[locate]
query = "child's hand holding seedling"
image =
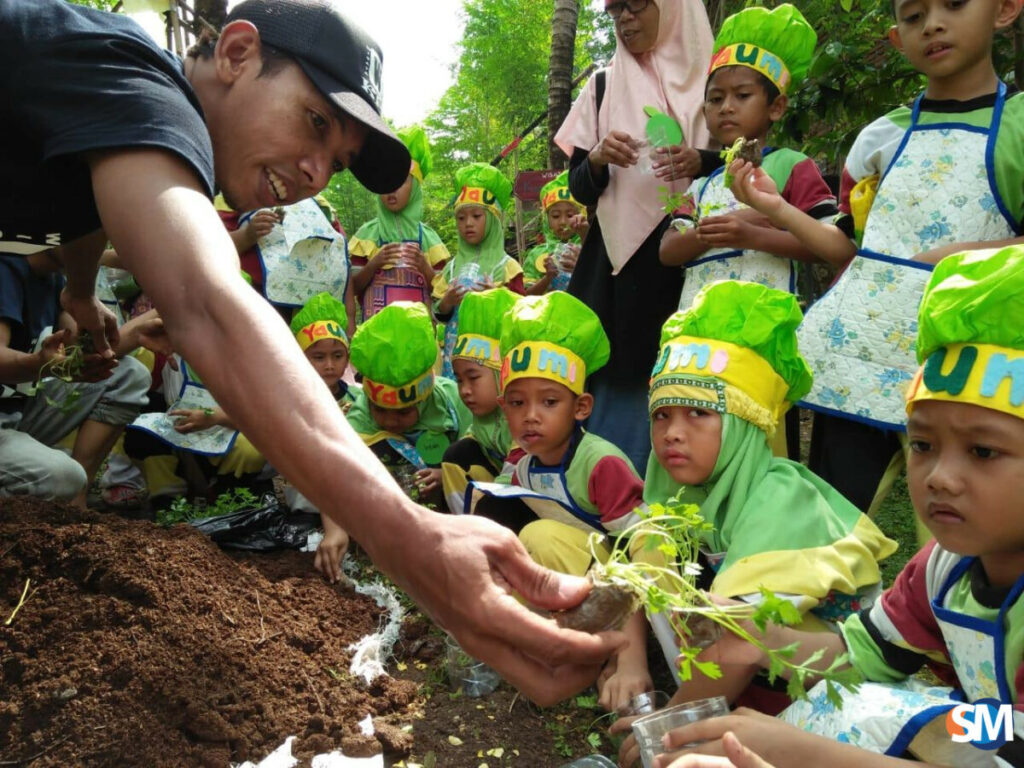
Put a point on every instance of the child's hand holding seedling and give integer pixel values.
(753, 187)
(195, 419)
(51, 351)
(427, 480)
(91, 315)
(727, 231)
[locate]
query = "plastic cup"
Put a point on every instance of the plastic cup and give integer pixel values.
(650, 729)
(470, 276)
(466, 674)
(645, 156)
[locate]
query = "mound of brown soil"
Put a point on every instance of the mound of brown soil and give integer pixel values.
(143, 646)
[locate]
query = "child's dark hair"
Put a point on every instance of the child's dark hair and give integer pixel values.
(770, 89)
(273, 59)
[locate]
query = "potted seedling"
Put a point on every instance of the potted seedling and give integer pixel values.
(748, 150)
(624, 582)
(67, 365)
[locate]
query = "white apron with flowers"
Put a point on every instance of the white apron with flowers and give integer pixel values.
(713, 198)
(303, 256)
(886, 718)
(859, 337)
(192, 395)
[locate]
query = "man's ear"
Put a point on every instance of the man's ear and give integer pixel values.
(895, 39)
(238, 48)
(778, 107)
(584, 406)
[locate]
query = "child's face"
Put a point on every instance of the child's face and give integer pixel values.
(559, 216)
(542, 414)
(330, 359)
(736, 104)
(478, 386)
(396, 420)
(686, 442)
(966, 479)
(950, 41)
(397, 200)
(471, 221)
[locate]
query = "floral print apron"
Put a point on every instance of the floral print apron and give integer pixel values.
(859, 337)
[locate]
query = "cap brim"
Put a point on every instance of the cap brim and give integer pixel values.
(384, 162)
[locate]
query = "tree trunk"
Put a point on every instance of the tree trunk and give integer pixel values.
(563, 45)
(214, 11)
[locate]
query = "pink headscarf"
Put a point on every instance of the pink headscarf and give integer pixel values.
(670, 77)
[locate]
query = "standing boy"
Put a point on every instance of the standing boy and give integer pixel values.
(573, 480)
(919, 183)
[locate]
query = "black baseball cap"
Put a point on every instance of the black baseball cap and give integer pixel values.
(345, 64)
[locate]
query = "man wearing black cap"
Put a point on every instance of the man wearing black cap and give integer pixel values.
(103, 135)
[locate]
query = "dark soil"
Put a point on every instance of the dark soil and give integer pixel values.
(145, 646)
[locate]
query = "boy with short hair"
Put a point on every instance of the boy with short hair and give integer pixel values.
(549, 265)
(550, 344)
(476, 361)
(956, 605)
(760, 56)
(919, 183)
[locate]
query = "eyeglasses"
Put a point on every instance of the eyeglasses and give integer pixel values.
(634, 6)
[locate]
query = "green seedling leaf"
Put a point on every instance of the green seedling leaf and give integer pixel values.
(594, 740)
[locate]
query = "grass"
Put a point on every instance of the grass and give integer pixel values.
(896, 519)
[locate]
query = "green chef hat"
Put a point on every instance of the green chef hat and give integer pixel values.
(555, 336)
(557, 191)
(971, 332)
(395, 350)
(734, 350)
(482, 184)
(480, 316)
(415, 140)
(322, 317)
(778, 43)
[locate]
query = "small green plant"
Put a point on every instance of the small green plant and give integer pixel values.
(181, 511)
(674, 531)
(742, 149)
(66, 366)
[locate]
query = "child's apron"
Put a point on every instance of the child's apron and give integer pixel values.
(885, 718)
(730, 263)
(545, 490)
(192, 395)
(303, 256)
(859, 337)
(395, 283)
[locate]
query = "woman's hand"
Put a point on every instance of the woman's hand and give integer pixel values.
(614, 149)
(676, 162)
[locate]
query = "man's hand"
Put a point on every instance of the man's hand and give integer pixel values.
(331, 552)
(465, 571)
(90, 315)
(676, 162)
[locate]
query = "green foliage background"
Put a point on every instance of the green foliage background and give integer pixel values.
(500, 85)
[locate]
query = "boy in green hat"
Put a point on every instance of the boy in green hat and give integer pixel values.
(319, 328)
(569, 478)
(727, 370)
(936, 177)
(483, 196)
(549, 265)
(956, 606)
(476, 361)
(760, 57)
(396, 255)
(405, 414)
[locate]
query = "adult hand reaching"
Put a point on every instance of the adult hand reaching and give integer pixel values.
(464, 572)
(676, 162)
(90, 315)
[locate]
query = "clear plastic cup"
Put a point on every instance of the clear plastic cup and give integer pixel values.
(591, 761)
(650, 729)
(645, 156)
(470, 276)
(473, 678)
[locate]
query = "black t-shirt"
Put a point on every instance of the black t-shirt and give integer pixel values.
(72, 80)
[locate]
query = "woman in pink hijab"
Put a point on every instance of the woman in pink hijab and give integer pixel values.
(661, 55)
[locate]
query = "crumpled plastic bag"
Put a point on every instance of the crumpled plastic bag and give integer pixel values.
(260, 529)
